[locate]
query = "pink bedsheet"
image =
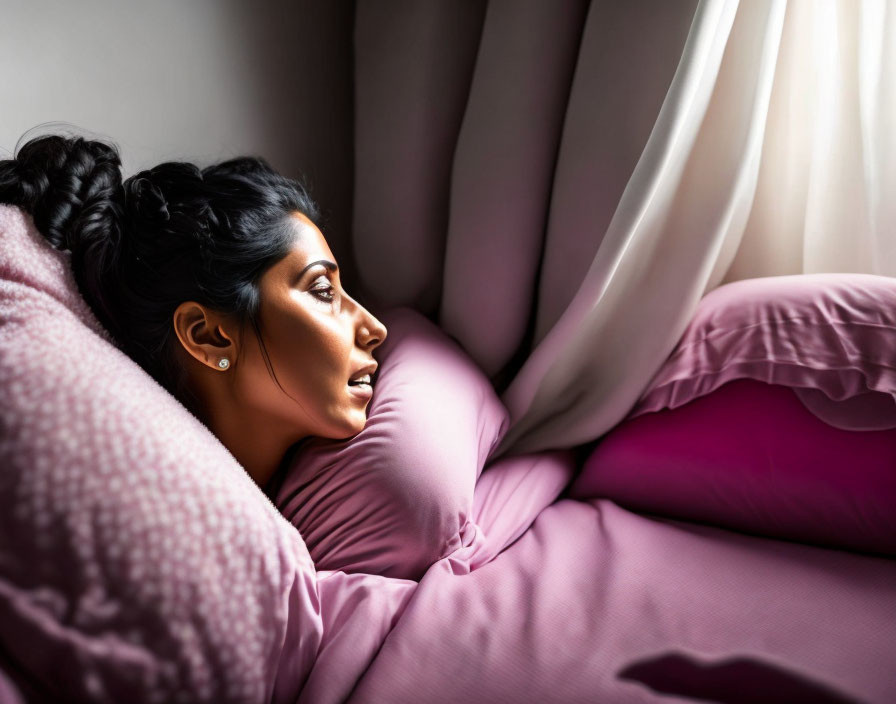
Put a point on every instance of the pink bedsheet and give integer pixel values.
(583, 601)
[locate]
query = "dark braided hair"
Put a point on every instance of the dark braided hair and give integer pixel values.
(169, 234)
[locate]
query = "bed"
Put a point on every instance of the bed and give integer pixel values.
(141, 563)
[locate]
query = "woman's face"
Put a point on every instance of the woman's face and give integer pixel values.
(316, 336)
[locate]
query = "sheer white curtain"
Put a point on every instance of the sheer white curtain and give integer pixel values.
(826, 196)
(774, 153)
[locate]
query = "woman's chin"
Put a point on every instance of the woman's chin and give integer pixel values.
(355, 422)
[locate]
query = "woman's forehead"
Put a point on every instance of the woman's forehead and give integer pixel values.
(303, 219)
(309, 243)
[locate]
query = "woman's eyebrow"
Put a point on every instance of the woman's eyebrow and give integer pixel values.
(331, 266)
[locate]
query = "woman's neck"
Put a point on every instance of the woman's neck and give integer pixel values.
(254, 443)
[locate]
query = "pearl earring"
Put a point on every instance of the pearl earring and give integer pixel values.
(224, 363)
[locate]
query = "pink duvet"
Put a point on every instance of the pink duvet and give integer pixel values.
(583, 601)
(531, 596)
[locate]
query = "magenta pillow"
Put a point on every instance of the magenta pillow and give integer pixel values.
(749, 456)
(774, 414)
(396, 497)
(830, 337)
(138, 560)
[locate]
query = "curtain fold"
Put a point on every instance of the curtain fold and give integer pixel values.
(598, 168)
(689, 193)
(413, 66)
(503, 168)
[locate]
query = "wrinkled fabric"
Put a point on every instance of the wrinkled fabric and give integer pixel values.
(828, 336)
(580, 606)
(399, 496)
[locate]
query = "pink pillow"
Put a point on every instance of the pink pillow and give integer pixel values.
(138, 560)
(749, 456)
(828, 336)
(396, 498)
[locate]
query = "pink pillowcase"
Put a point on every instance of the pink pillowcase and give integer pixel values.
(750, 457)
(828, 336)
(398, 496)
(138, 560)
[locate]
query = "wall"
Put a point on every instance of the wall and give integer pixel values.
(202, 81)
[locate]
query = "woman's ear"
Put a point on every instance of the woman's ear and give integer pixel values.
(204, 334)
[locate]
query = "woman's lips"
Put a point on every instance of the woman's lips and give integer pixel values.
(362, 391)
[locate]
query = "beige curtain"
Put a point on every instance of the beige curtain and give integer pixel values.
(558, 184)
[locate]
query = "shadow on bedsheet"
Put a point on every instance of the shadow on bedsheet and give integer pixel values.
(15, 688)
(739, 680)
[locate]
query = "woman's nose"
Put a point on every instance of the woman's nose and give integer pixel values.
(371, 332)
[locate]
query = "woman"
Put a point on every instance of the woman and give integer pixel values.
(178, 263)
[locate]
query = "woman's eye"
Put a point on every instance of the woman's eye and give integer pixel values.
(328, 290)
